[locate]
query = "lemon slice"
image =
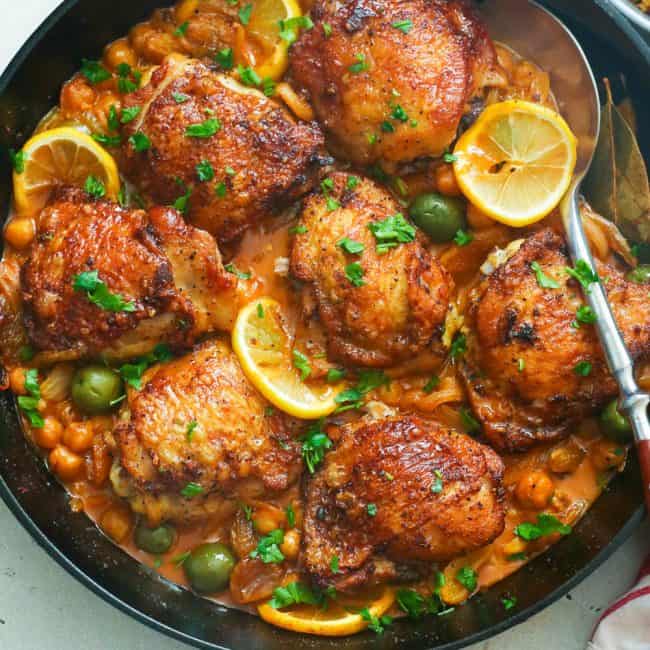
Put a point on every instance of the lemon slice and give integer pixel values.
(516, 162)
(340, 618)
(62, 156)
(264, 349)
(265, 29)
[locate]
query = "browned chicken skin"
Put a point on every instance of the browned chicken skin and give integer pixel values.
(400, 489)
(403, 302)
(170, 271)
(385, 95)
(262, 156)
(198, 420)
(521, 372)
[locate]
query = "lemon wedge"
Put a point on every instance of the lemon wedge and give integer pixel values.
(340, 618)
(264, 349)
(61, 156)
(516, 161)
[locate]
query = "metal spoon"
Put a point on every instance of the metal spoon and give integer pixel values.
(536, 34)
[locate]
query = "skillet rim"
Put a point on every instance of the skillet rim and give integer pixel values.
(107, 596)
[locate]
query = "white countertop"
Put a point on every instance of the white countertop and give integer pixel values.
(41, 606)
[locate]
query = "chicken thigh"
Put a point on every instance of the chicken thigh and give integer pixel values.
(197, 437)
(387, 301)
(399, 489)
(390, 80)
(105, 279)
(534, 366)
(234, 156)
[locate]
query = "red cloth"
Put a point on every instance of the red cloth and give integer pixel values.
(625, 625)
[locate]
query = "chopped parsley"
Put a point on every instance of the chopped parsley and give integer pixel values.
(404, 26)
(584, 314)
(242, 275)
(225, 58)
(180, 98)
(546, 525)
(181, 558)
(132, 373)
(360, 66)
(521, 364)
(375, 623)
(94, 71)
(245, 13)
(354, 273)
(327, 30)
(462, 238)
(508, 602)
(112, 119)
(335, 374)
(543, 280)
(583, 273)
(391, 232)
(583, 368)
(315, 443)
(248, 76)
(416, 605)
(449, 157)
(107, 140)
(220, 189)
(431, 385)
(140, 141)
(268, 86)
(301, 363)
(291, 516)
(205, 129)
(26, 353)
(124, 84)
(371, 508)
(458, 346)
(300, 229)
(181, 30)
(350, 246)
(399, 114)
(437, 485)
(191, 490)
(467, 577)
(94, 187)
(99, 294)
(181, 203)
(260, 310)
(332, 204)
(352, 398)
(387, 127)
(17, 160)
(268, 548)
(470, 423)
(334, 564)
(289, 28)
(28, 404)
(129, 114)
(352, 182)
(204, 171)
(295, 593)
(191, 428)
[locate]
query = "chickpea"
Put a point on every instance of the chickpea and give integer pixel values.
(607, 454)
(452, 592)
(49, 435)
(65, 463)
(116, 522)
(476, 219)
(17, 380)
(535, 490)
(446, 181)
(78, 436)
(20, 232)
(268, 518)
(185, 9)
(118, 52)
(77, 96)
(514, 546)
(565, 459)
(291, 544)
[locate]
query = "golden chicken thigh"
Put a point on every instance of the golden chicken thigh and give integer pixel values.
(394, 78)
(197, 437)
(169, 276)
(399, 489)
(395, 305)
(533, 369)
(236, 156)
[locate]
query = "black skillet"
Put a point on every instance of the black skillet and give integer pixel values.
(28, 89)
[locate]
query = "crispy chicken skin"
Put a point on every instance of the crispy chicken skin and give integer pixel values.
(273, 157)
(396, 466)
(171, 271)
(431, 73)
(235, 450)
(402, 304)
(521, 367)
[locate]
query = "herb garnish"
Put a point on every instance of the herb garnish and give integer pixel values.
(462, 238)
(99, 294)
(140, 141)
(191, 427)
(431, 385)
(231, 268)
(205, 129)
(315, 442)
(181, 203)
(353, 397)
(94, 187)
(289, 28)
(334, 564)
(543, 280)
(204, 171)
(470, 423)
(245, 13)
(180, 98)
(404, 26)
(391, 232)
(467, 577)
(350, 246)
(458, 346)
(107, 140)
(225, 58)
(354, 273)
(181, 30)
(360, 66)
(295, 593)
(132, 373)
(291, 516)
(335, 374)
(546, 525)
(268, 548)
(301, 363)
(416, 605)
(376, 624)
(583, 273)
(583, 368)
(584, 314)
(129, 114)
(17, 160)
(191, 490)
(508, 602)
(94, 71)
(28, 404)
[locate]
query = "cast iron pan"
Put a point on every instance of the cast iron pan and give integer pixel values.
(29, 88)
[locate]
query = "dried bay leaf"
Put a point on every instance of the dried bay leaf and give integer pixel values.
(617, 184)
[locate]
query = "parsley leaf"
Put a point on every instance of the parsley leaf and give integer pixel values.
(334, 564)
(248, 76)
(404, 26)
(583, 273)
(181, 203)
(467, 577)
(470, 423)
(437, 485)
(181, 30)
(107, 140)
(449, 157)
(360, 66)
(225, 58)
(353, 397)
(315, 442)
(399, 114)
(205, 129)
(583, 368)
(94, 187)
(352, 182)
(350, 246)
(94, 71)
(416, 605)
(371, 508)
(508, 602)
(268, 548)
(98, 293)
(392, 231)
(29, 404)
(376, 624)
(546, 525)
(191, 427)
(140, 141)
(334, 375)
(191, 490)
(387, 127)
(300, 229)
(327, 30)
(17, 160)
(543, 280)
(431, 385)
(268, 86)
(112, 120)
(295, 593)
(132, 373)
(231, 268)
(462, 238)
(458, 346)
(204, 171)
(129, 114)
(245, 13)
(180, 98)
(301, 363)
(220, 189)
(584, 314)
(291, 516)
(289, 28)
(354, 273)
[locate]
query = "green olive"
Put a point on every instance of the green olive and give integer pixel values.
(209, 566)
(613, 424)
(441, 217)
(640, 275)
(154, 540)
(95, 389)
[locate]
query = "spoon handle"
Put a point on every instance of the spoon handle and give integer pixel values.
(634, 402)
